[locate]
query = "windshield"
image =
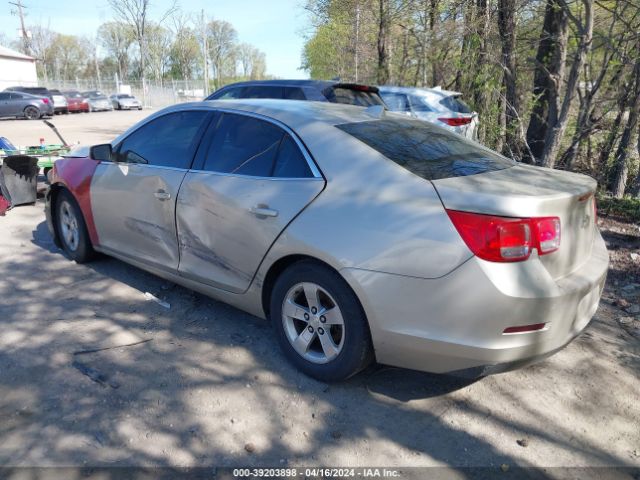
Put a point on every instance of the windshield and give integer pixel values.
(426, 150)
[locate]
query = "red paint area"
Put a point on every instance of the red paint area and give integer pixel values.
(76, 175)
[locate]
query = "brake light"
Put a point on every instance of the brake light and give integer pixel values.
(506, 239)
(45, 101)
(456, 122)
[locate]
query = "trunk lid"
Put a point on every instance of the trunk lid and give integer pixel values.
(527, 191)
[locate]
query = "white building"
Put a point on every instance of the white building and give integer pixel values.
(16, 69)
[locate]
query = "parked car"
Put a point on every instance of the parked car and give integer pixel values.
(124, 101)
(317, 90)
(361, 234)
(442, 107)
(97, 101)
(18, 104)
(76, 101)
(37, 91)
(60, 104)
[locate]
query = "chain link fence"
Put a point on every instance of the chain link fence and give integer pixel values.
(155, 94)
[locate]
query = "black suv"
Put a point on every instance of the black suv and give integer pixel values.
(314, 90)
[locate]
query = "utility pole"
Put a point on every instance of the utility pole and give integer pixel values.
(205, 53)
(25, 36)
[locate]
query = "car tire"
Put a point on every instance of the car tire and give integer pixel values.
(330, 348)
(32, 113)
(72, 229)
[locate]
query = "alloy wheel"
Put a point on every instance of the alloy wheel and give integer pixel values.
(69, 227)
(313, 322)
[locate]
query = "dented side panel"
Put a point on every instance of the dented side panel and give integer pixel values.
(223, 238)
(134, 209)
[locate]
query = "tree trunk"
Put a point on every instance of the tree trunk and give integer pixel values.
(479, 83)
(555, 130)
(507, 31)
(383, 54)
(548, 76)
(622, 153)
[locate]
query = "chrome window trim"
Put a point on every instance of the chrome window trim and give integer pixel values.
(255, 177)
(315, 170)
(145, 165)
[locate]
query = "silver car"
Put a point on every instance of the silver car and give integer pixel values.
(442, 107)
(124, 101)
(361, 234)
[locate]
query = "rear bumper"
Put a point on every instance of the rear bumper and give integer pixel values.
(454, 324)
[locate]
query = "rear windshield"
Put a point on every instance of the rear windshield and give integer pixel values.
(455, 105)
(426, 150)
(350, 96)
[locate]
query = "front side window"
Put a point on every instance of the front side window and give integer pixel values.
(245, 145)
(167, 141)
(426, 150)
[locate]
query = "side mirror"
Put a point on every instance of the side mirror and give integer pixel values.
(101, 152)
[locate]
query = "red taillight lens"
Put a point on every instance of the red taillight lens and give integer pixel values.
(456, 122)
(45, 100)
(505, 239)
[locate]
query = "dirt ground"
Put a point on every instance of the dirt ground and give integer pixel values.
(206, 384)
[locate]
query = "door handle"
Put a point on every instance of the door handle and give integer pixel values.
(263, 211)
(162, 195)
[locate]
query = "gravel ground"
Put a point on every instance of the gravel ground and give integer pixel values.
(205, 384)
(209, 386)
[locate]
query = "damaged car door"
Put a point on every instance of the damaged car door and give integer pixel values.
(133, 198)
(251, 177)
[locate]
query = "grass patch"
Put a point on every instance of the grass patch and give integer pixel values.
(627, 208)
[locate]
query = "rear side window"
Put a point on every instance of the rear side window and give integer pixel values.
(426, 150)
(455, 105)
(293, 93)
(290, 163)
(262, 91)
(420, 104)
(245, 145)
(350, 96)
(167, 141)
(4, 96)
(397, 102)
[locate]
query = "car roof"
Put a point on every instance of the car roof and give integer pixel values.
(285, 83)
(439, 92)
(294, 114)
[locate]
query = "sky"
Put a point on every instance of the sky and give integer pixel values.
(274, 26)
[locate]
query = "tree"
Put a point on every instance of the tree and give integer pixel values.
(158, 51)
(559, 112)
(116, 38)
(222, 39)
(507, 31)
(135, 13)
(185, 53)
(549, 74)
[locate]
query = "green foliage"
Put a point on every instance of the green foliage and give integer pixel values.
(627, 208)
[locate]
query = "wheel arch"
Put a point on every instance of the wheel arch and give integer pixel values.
(283, 263)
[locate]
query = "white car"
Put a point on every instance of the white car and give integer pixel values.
(124, 101)
(442, 107)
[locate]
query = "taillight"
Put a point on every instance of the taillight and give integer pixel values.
(45, 101)
(506, 239)
(456, 122)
